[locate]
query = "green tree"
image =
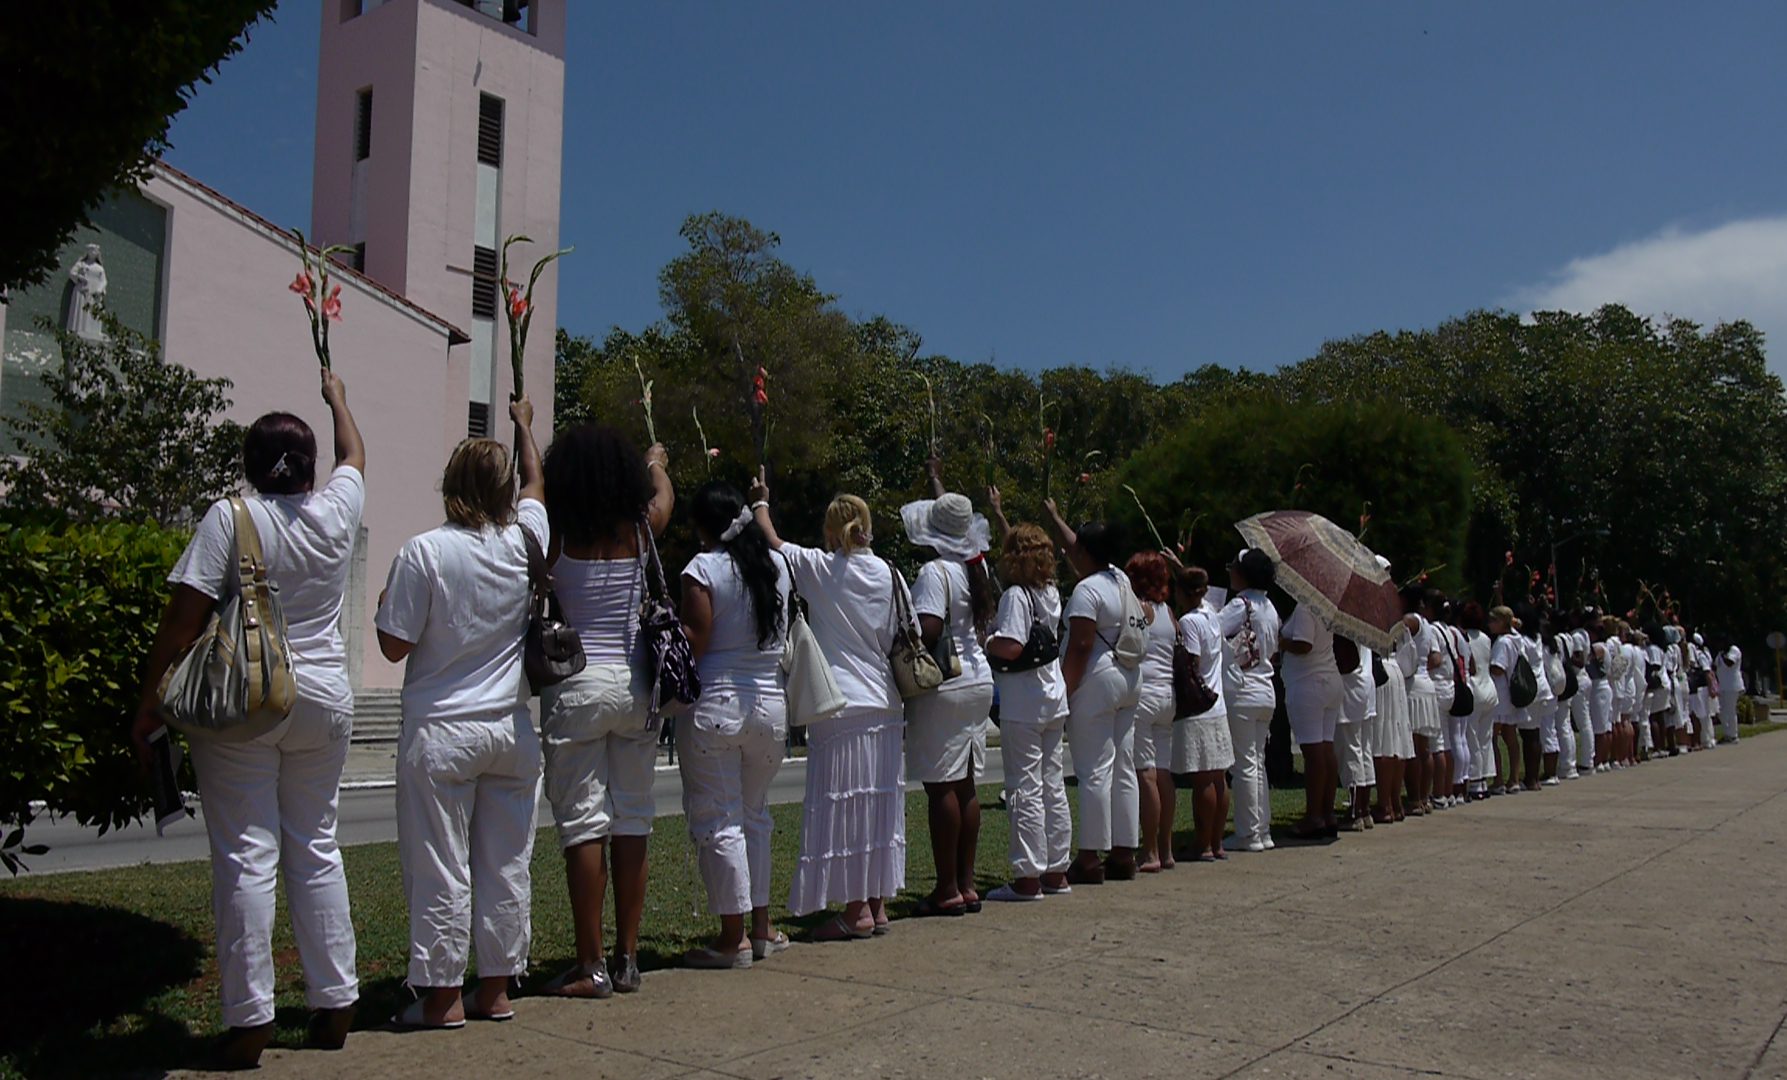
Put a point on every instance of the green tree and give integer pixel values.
(91, 90)
(123, 435)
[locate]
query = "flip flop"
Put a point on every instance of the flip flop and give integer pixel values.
(836, 929)
(764, 948)
(411, 1018)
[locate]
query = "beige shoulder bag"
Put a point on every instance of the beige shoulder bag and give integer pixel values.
(235, 682)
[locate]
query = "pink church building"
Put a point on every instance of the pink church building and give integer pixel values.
(438, 132)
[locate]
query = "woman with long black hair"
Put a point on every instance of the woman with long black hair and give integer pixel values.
(734, 609)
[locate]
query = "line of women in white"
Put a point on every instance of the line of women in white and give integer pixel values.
(1096, 675)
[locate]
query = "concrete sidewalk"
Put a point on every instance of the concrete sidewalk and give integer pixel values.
(1624, 925)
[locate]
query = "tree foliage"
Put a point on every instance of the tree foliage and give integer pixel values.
(92, 88)
(124, 434)
(1648, 451)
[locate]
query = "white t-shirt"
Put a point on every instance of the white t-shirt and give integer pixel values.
(1099, 597)
(308, 543)
(1319, 660)
(1427, 643)
(733, 659)
(1202, 635)
(1157, 662)
(1359, 700)
(850, 606)
(1634, 671)
(461, 597)
(1502, 656)
(1478, 652)
(1731, 671)
(1252, 688)
(943, 584)
(1037, 696)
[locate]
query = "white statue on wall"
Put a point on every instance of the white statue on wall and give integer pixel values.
(88, 276)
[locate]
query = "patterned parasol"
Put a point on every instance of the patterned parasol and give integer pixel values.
(1323, 565)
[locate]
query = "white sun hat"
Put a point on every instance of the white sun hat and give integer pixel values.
(949, 526)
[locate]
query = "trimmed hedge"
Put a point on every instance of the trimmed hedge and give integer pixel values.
(79, 605)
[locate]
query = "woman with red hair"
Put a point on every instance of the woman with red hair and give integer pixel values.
(1152, 581)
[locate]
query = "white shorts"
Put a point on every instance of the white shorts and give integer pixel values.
(600, 755)
(946, 733)
(1313, 705)
(1153, 734)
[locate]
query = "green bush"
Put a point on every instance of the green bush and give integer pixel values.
(1338, 460)
(78, 607)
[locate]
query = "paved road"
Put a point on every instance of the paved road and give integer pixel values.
(1627, 925)
(368, 815)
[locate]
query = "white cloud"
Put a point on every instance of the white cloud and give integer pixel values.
(1733, 271)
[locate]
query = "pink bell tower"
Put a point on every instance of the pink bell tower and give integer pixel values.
(439, 131)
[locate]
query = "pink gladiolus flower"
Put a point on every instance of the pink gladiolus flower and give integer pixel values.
(1508, 559)
(331, 306)
(302, 284)
(713, 452)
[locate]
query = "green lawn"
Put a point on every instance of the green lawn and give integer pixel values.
(113, 970)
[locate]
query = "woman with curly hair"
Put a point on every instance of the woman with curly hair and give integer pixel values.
(599, 735)
(1151, 579)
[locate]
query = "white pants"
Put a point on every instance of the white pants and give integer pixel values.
(1482, 742)
(731, 746)
(1566, 736)
(269, 805)
(1641, 718)
(1551, 724)
(466, 790)
(1352, 757)
(1101, 736)
(1041, 821)
(1728, 713)
(1581, 720)
(1249, 725)
(1458, 737)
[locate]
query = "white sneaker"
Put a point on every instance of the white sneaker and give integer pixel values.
(1572, 775)
(1005, 894)
(1267, 843)
(1249, 845)
(1550, 781)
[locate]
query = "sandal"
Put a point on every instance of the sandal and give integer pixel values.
(764, 948)
(836, 929)
(930, 909)
(1307, 830)
(1077, 875)
(412, 1017)
(472, 1013)
(596, 973)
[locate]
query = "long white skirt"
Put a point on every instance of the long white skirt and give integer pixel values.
(853, 828)
(1394, 737)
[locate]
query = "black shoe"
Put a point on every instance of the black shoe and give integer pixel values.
(624, 971)
(329, 1027)
(240, 1048)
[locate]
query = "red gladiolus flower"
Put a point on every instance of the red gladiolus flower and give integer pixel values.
(517, 303)
(1508, 559)
(1535, 577)
(1085, 478)
(302, 284)
(332, 306)
(760, 387)
(1632, 614)
(1048, 439)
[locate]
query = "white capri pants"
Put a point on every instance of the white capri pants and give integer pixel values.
(1551, 722)
(1728, 713)
(946, 733)
(1036, 796)
(1482, 740)
(466, 790)
(600, 755)
(1249, 726)
(1600, 708)
(1313, 704)
(269, 805)
(1353, 756)
(731, 746)
(1101, 736)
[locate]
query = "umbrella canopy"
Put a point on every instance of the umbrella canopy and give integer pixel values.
(1323, 565)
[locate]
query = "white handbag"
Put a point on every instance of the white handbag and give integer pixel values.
(812, 693)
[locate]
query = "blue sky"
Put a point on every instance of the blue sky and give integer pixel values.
(1154, 186)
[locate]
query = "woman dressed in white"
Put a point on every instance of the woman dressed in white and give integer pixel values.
(1313, 698)
(1025, 648)
(1728, 668)
(1202, 748)
(1510, 719)
(1249, 625)
(735, 611)
(270, 802)
(946, 731)
(1101, 667)
(1478, 648)
(1392, 740)
(853, 828)
(1424, 707)
(455, 607)
(1600, 691)
(1151, 578)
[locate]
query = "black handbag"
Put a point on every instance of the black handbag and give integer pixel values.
(1191, 695)
(551, 651)
(1464, 701)
(1523, 685)
(1570, 683)
(1042, 647)
(663, 645)
(1379, 673)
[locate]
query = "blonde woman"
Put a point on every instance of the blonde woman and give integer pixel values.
(454, 611)
(1032, 715)
(853, 830)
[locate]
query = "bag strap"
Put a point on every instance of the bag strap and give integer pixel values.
(908, 623)
(650, 566)
(251, 574)
(539, 577)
